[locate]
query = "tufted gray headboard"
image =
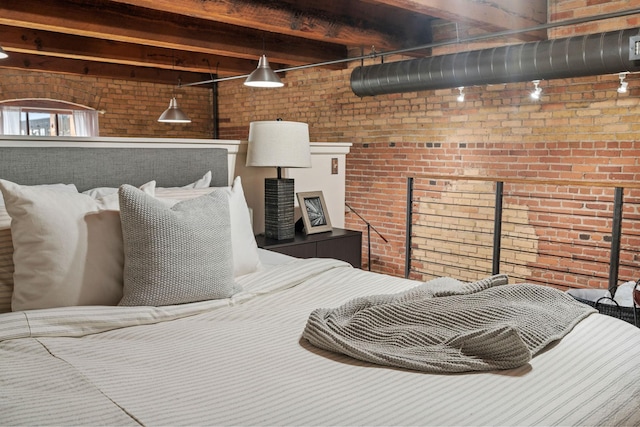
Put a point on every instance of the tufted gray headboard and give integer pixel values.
(90, 167)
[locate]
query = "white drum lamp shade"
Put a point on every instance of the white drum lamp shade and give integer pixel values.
(279, 144)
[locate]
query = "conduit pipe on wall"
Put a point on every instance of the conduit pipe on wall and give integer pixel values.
(594, 54)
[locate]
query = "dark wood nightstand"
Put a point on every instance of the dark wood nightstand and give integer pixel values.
(345, 245)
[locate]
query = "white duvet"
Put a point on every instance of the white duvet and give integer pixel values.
(241, 361)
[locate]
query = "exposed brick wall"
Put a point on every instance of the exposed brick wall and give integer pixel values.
(130, 108)
(562, 10)
(580, 129)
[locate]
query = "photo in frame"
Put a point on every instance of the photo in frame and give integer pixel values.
(315, 215)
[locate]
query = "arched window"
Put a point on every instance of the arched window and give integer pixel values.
(46, 117)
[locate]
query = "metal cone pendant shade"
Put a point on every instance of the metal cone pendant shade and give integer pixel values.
(174, 114)
(263, 76)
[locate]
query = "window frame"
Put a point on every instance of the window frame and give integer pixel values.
(55, 109)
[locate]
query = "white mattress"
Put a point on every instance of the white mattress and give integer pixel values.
(241, 361)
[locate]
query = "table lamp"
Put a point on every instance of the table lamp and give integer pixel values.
(279, 144)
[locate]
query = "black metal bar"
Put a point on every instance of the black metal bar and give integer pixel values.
(407, 247)
(369, 246)
(215, 107)
(635, 306)
(497, 228)
(369, 227)
(616, 229)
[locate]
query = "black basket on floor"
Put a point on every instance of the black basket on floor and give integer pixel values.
(597, 299)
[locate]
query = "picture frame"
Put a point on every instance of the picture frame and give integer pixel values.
(315, 215)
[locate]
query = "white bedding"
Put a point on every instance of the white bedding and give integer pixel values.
(241, 361)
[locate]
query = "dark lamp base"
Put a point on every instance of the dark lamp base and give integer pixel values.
(278, 209)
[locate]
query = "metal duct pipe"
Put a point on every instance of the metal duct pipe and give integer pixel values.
(594, 54)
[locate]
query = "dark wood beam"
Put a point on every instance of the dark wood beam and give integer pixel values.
(276, 17)
(142, 26)
(46, 43)
(494, 16)
(50, 64)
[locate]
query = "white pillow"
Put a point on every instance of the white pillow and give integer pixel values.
(101, 192)
(67, 187)
(203, 182)
(6, 249)
(98, 192)
(244, 247)
(67, 247)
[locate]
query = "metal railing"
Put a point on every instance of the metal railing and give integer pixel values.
(567, 234)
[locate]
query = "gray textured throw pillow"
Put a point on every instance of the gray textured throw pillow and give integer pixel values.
(175, 255)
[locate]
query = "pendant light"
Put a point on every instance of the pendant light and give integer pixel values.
(3, 54)
(174, 114)
(263, 76)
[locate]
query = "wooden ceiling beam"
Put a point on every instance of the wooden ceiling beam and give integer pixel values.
(146, 38)
(494, 16)
(164, 31)
(276, 18)
(50, 64)
(39, 42)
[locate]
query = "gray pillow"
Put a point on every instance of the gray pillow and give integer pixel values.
(178, 254)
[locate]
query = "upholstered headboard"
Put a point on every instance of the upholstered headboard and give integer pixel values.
(90, 167)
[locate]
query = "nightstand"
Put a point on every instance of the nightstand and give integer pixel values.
(345, 245)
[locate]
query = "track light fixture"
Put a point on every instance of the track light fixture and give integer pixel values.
(623, 85)
(3, 54)
(537, 91)
(460, 97)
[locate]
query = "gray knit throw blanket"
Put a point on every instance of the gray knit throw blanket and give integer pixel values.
(478, 326)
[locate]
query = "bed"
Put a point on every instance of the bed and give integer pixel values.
(242, 355)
